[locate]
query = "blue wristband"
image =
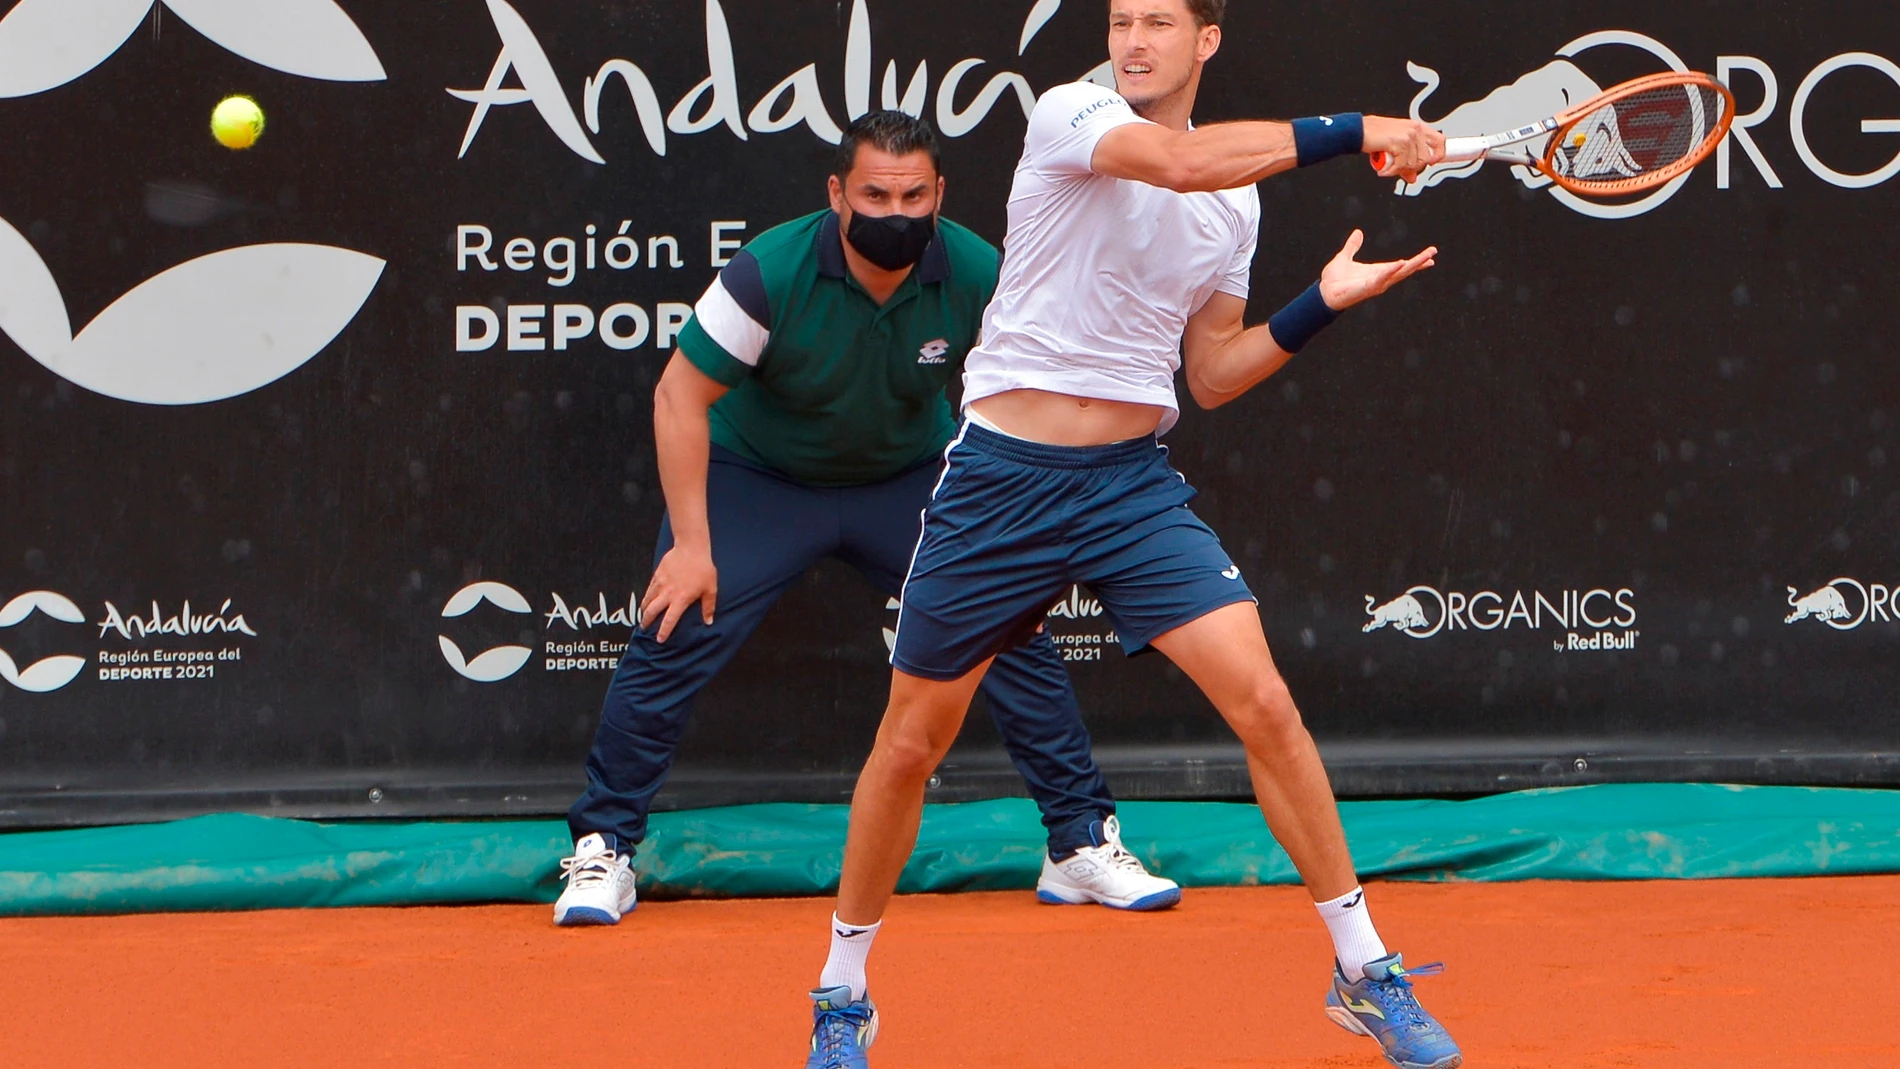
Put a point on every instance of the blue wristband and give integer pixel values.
(1296, 324)
(1319, 140)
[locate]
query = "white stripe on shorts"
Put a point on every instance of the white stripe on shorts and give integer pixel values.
(914, 550)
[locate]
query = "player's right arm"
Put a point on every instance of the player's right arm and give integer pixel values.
(1238, 154)
(1082, 128)
(718, 348)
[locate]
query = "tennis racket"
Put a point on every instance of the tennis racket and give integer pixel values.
(1630, 138)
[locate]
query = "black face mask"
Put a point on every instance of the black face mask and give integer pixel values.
(892, 242)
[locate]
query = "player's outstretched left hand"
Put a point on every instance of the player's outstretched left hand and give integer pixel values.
(1345, 281)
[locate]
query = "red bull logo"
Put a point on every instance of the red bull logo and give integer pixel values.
(1843, 604)
(1563, 82)
(1599, 619)
(1543, 92)
(1403, 612)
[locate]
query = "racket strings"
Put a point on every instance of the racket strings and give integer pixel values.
(1654, 130)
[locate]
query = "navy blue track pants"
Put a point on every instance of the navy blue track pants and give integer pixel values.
(766, 532)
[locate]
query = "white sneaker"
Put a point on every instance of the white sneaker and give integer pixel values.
(599, 885)
(1107, 874)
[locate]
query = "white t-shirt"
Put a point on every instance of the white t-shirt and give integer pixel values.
(1100, 274)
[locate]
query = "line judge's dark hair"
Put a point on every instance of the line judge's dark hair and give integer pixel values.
(895, 132)
(1205, 12)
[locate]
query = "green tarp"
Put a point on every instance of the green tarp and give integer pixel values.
(1674, 831)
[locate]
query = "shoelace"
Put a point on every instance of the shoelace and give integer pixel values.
(585, 870)
(1395, 995)
(836, 1033)
(1119, 855)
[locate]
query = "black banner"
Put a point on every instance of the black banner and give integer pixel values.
(326, 467)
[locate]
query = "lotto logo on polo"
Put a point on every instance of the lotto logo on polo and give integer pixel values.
(933, 353)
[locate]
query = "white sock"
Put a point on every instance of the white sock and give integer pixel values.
(1355, 941)
(850, 945)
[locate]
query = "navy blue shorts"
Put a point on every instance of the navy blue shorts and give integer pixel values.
(1013, 523)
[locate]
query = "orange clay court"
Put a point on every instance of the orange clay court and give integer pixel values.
(1728, 973)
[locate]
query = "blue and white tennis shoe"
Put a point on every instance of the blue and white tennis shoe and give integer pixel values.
(841, 1029)
(599, 884)
(1382, 1006)
(1104, 873)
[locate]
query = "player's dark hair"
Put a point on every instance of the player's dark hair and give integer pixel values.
(1208, 12)
(895, 132)
(1205, 12)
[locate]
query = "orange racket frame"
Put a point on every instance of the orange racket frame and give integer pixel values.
(1508, 146)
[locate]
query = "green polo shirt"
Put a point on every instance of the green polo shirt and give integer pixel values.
(828, 387)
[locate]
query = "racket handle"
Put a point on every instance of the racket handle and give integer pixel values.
(1457, 150)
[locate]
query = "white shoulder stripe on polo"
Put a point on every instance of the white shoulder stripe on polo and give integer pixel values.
(728, 324)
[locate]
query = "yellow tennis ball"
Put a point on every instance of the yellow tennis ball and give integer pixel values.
(237, 122)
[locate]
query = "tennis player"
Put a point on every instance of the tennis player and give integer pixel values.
(804, 417)
(1131, 236)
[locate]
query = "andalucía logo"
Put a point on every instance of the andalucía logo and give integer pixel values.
(226, 323)
(797, 100)
(1844, 604)
(183, 623)
(145, 660)
(50, 673)
(167, 660)
(583, 654)
(1561, 83)
(578, 654)
(1597, 619)
(491, 665)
